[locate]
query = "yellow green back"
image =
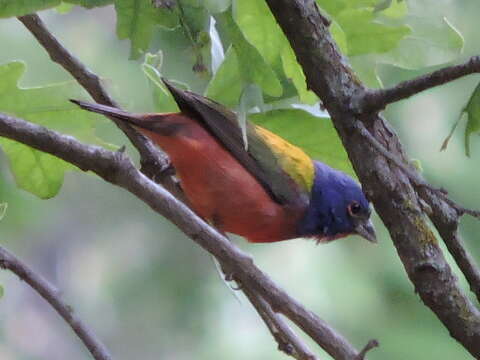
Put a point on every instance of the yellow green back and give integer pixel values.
(291, 158)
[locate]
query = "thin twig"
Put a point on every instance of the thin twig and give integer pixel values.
(375, 100)
(116, 168)
(59, 54)
(10, 262)
(445, 219)
(406, 168)
(463, 259)
(287, 340)
(370, 345)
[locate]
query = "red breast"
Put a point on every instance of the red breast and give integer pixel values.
(218, 187)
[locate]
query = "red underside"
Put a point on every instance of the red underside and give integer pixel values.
(220, 189)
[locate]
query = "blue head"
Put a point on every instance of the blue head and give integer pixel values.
(338, 207)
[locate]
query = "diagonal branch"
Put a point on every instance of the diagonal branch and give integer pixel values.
(376, 100)
(116, 168)
(445, 217)
(287, 340)
(151, 157)
(50, 294)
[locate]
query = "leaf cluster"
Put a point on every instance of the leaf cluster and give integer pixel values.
(247, 62)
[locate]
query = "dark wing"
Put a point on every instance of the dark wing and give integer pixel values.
(259, 159)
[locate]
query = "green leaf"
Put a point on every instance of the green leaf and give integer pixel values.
(217, 6)
(35, 171)
(253, 67)
(332, 7)
(315, 135)
(364, 36)
(227, 83)
(362, 25)
(339, 36)
(396, 10)
(260, 28)
(64, 8)
(366, 70)
(294, 71)
(161, 96)
(2, 291)
(9, 8)
(472, 111)
(434, 41)
(136, 20)
(89, 3)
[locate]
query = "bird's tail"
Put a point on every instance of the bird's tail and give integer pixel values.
(152, 122)
(109, 111)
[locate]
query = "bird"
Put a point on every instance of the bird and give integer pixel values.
(250, 181)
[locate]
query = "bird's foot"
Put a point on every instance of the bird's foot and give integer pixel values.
(230, 278)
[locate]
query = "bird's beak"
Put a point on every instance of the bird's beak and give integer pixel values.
(366, 230)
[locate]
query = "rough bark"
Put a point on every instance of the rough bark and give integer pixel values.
(388, 187)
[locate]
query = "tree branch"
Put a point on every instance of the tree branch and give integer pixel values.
(370, 345)
(445, 217)
(388, 187)
(116, 168)
(287, 340)
(376, 100)
(8, 261)
(153, 160)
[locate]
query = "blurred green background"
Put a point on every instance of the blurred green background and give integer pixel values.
(149, 292)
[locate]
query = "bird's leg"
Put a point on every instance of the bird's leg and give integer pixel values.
(165, 171)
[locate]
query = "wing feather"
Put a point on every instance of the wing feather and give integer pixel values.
(260, 159)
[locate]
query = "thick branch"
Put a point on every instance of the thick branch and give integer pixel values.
(395, 199)
(152, 159)
(117, 169)
(50, 294)
(375, 100)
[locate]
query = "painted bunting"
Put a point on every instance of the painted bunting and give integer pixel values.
(262, 188)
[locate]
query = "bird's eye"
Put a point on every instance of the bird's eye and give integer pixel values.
(354, 208)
